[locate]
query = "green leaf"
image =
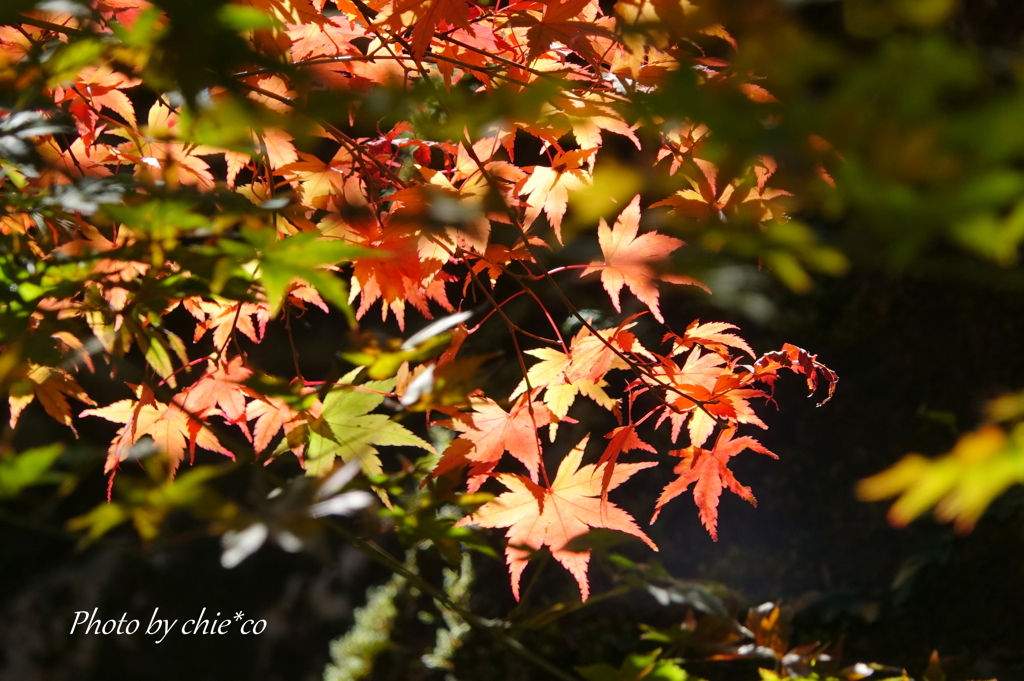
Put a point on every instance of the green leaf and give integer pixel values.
(99, 521)
(635, 667)
(162, 219)
(346, 428)
(28, 468)
(598, 672)
(302, 257)
(66, 64)
(144, 32)
(157, 351)
(228, 123)
(246, 18)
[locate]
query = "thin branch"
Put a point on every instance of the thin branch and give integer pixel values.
(50, 26)
(639, 370)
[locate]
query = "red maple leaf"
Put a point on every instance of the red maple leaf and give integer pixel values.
(408, 271)
(622, 439)
(537, 516)
(428, 15)
(709, 468)
(711, 336)
(798, 361)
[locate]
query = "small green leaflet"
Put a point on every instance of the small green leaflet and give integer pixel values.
(346, 428)
(301, 256)
(29, 468)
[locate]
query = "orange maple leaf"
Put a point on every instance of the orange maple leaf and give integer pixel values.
(547, 188)
(279, 147)
(711, 336)
(173, 431)
(537, 517)
(561, 22)
(696, 392)
(708, 201)
(219, 389)
(627, 258)
(329, 37)
(497, 257)
(564, 376)
(272, 414)
(492, 431)
(728, 401)
(705, 391)
(226, 316)
(709, 468)
(408, 271)
(322, 183)
(621, 439)
(51, 386)
(428, 15)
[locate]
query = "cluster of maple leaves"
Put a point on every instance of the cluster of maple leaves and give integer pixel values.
(412, 219)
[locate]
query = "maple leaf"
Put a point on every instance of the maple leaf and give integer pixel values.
(709, 469)
(498, 256)
(492, 431)
(564, 376)
(621, 439)
(329, 37)
(78, 159)
(173, 430)
(587, 119)
(709, 335)
(346, 428)
(278, 146)
(226, 316)
(408, 268)
(271, 415)
(561, 23)
(627, 258)
(537, 517)
(321, 182)
(301, 257)
(547, 188)
(707, 202)
(704, 391)
(428, 16)
(961, 484)
(51, 386)
(727, 402)
(157, 157)
(97, 87)
(798, 361)
(219, 389)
